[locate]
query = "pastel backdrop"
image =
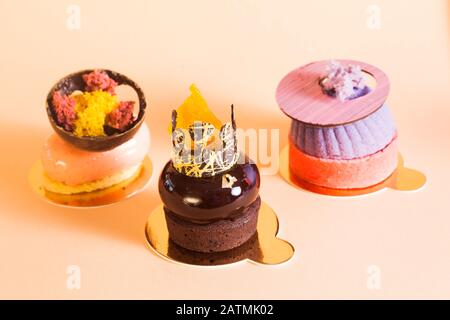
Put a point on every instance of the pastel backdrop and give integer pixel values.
(236, 52)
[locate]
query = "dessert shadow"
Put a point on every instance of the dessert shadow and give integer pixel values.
(249, 250)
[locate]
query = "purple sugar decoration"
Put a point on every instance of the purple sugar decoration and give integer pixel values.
(344, 82)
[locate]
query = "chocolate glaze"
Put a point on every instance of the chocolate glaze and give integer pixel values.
(74, 82)
(203, 200)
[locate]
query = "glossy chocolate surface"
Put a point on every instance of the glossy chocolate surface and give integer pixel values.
(74, 82)
(203, 200)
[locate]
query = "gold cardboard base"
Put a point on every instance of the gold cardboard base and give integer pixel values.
(103, 197)
(264, 247)
(404, 179)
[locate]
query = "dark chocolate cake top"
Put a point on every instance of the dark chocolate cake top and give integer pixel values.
(207, 199)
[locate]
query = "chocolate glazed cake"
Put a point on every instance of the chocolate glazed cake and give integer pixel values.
(203, 216)
(209, 190)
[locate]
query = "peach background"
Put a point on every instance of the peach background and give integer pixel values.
(236, 52)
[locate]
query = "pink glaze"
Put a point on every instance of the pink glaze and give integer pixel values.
(301, 97)
(344, 174)
(64, 163)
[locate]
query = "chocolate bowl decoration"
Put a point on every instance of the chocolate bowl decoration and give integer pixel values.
(74, 82)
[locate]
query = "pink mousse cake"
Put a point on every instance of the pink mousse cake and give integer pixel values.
(342, 134)
(70, 170)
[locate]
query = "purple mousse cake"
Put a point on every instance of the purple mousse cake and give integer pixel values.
(342, 134)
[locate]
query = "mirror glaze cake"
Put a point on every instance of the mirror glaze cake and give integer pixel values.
(210, 190)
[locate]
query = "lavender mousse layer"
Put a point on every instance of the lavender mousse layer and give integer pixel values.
(344, 142)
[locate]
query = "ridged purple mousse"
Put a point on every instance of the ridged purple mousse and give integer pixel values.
(349, 141)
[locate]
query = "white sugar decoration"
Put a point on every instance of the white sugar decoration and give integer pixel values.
(343, 81)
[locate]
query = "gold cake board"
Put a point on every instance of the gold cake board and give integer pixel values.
(116, 193)
(263, 248)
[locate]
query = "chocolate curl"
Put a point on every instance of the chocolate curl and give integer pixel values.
(174, 127)
(233, 122)
(178, 137)
(174, 120)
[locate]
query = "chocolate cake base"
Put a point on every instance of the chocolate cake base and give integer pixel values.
(217, 236)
